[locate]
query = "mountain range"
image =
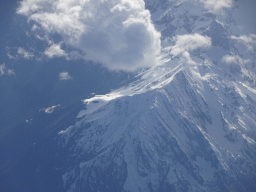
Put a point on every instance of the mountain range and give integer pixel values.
(186, 124)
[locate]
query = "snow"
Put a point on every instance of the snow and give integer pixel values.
(178, 121)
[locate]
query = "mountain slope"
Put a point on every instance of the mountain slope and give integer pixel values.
(195, 133)
(186, 125)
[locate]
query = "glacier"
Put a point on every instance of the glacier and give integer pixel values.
(186, 125)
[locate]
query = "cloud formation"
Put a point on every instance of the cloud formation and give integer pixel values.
(230, 59)
(190, 42)
(26, 54)
(249, 41)
(55, 51)
(116, 33)
(235, 59)
(216, 5)
(10, 56)
(5, 71)
(184, 44)
(64, 76)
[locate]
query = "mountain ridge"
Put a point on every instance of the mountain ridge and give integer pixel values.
(169, 125)
(187, 124)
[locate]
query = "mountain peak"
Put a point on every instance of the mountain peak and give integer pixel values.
(182, 131)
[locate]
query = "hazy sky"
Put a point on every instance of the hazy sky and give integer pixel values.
(245, 15)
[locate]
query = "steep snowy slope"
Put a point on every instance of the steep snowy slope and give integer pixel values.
(195, 133)
(186, 125)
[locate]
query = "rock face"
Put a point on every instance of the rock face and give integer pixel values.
(186, 125)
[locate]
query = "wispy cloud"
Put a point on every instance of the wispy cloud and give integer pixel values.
(184, 44)
(49, 109)
(10, 56)
(5, 71)
(116, 33)
(64, 76)
(248, 40)
(229, 59)
(217, 5)
(26, 54)
(189, 42)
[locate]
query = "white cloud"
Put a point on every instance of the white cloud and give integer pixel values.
(2, 69)
(184, 44)
(116, 33)
(5, 71)
(229, 59)
(55, 51)
(190, 42)
(64, 76)
(249, 41)
(10, 72)
(216, 5)
(24, 53)
(10, 56)
(49, 109)
(35, 27)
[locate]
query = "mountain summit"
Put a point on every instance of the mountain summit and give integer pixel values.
(188, 124)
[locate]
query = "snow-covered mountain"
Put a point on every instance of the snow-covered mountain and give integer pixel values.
(186, 125)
